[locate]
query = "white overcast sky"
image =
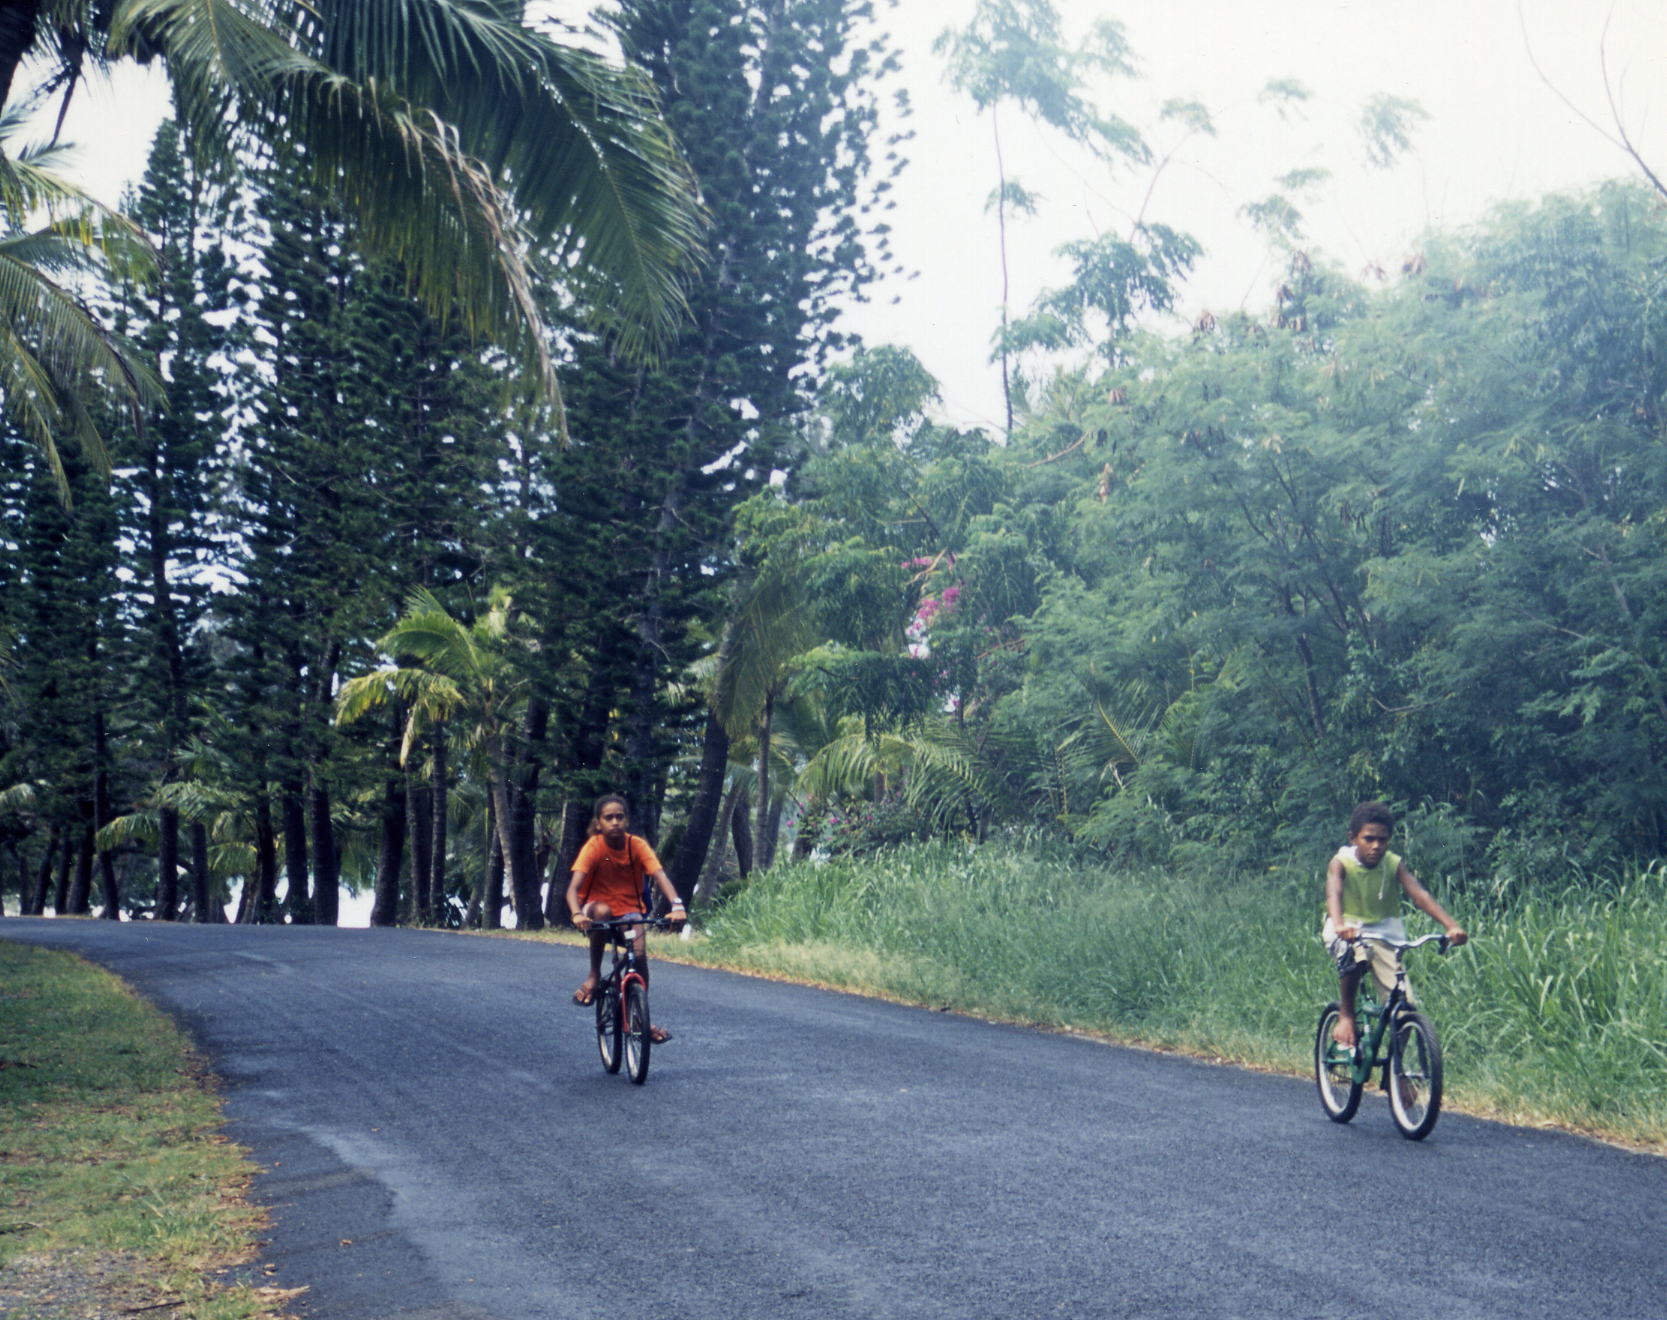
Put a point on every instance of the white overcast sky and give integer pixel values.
(1496, 132)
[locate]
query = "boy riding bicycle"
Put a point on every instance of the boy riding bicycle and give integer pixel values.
(1363, 888)
(612, 876)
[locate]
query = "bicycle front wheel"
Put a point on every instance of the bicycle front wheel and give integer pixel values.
(1334, 1070)
(637, 1040)
(1414, 1075)
(607, 1027)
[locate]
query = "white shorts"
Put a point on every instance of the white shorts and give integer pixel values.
(1380, 959)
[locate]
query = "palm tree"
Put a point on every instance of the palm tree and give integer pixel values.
(458, 135)
(55, 357)
(463, 678)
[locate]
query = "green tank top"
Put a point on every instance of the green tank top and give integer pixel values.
(1370, 893)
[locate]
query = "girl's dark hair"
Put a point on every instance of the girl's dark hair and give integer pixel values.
(596, 811)
(1370, 813)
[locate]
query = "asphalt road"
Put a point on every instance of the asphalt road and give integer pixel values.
(440, 1143)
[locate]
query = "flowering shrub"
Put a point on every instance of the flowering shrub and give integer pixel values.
(853, 827)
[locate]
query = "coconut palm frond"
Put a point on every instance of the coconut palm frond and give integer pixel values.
(198, 801)
(54, 355)
(138, 827)
(420, 117)
(20, 797)
(231, 857)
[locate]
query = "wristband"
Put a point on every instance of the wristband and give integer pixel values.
(677, 903)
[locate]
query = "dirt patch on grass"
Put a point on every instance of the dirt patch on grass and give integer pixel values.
(76, 1285)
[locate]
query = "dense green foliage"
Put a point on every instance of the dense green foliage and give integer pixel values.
(351, 611)
(339, 474)
(1402, 543)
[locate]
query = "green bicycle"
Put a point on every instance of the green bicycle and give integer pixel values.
(1393, 1036)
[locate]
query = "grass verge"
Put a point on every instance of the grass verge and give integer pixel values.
(118, 1193)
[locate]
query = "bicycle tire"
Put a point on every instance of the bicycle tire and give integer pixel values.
(1414, 1075)
(1334, 1075)
(638, 1043)
(608, 1027)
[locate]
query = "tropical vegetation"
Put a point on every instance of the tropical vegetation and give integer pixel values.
(352, 614)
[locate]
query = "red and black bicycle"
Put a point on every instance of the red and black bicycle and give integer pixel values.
(622, 1021)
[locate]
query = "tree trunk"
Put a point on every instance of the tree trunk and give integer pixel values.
(575, 828)
(773, 824)
(1001, 239)
(207, 909)
(167, 864)
(81, 888)
(492, 906)
(298, 902)
(66, 861)
(523, 883)
(521, 861)
(475, 917)
(103, 813)
(766, 848)
(326, 866)
(522, 857)
(261, 907)
(439, 810)
(741, 831)
(112, 890)
(420, 834)
(706, 888)
(703, 811)
(384, 910)
(43, 874)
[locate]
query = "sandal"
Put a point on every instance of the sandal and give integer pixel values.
(585, 996)
(659, 1035)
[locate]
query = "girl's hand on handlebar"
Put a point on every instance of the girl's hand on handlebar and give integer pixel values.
(581, 921)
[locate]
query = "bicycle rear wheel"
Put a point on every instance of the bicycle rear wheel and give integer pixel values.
(1414, 1075)
(637, 1040)
(1334, 1070)
(607, 1026)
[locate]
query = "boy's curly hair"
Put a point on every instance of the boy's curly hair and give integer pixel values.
(1370, 813)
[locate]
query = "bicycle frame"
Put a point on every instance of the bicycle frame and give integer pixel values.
(624, 987)
(1366, 1056)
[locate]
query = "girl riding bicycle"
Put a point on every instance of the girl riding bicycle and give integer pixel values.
(612, 877)
(1363, 888)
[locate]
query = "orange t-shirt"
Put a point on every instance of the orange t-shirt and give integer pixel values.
(615, 878)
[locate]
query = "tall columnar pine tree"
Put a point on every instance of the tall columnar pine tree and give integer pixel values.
(775, 105)
(366, 451)
(170, 468)
(62, 687)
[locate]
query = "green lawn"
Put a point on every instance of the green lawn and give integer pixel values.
(118, 1193)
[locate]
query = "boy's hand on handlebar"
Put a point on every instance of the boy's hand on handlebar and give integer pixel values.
(1456, 935)
(1349, 933)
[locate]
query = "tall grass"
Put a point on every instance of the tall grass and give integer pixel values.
(1556, 1012)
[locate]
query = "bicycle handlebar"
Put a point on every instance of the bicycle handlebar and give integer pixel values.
(1404, 945)
(607, 924)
